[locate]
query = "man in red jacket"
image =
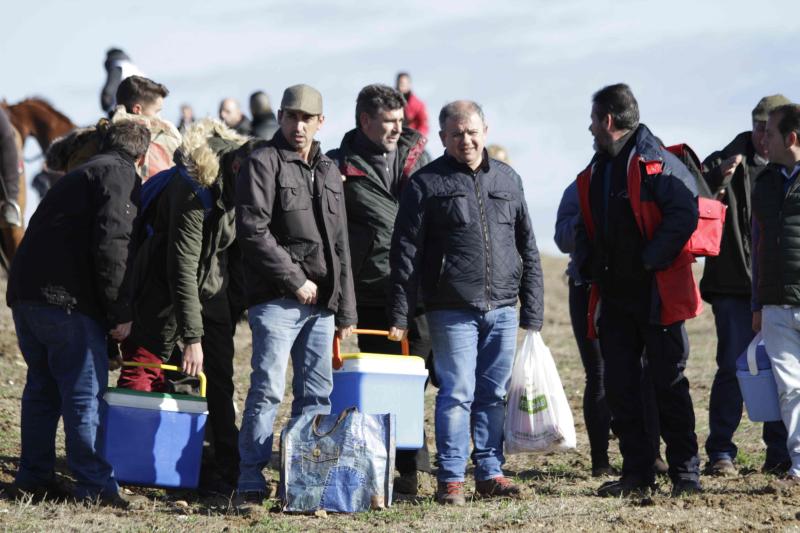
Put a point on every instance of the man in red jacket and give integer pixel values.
(415, 111)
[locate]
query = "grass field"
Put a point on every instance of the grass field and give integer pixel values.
(558, 489)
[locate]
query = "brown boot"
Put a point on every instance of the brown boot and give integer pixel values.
(722, 468)
(451, 493)
(497, 487)
(787, 485)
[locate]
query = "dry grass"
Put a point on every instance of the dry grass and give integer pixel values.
(558, 491)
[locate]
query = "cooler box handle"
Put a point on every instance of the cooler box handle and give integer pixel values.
(338, 362)
(752, 365)
(174, 368)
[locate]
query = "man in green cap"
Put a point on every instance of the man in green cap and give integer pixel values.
(292, 229)
(730, 174)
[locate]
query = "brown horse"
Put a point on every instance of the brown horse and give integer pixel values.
(30, 117)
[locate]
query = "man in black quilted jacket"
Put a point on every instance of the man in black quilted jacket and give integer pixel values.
(463, 240)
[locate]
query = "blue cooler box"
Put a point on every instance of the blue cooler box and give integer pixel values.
(153, 439)
(379, 384)
(759, 391)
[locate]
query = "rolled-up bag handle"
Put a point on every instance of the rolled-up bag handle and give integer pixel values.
(317, 419)
(752, 365)
(338, 362)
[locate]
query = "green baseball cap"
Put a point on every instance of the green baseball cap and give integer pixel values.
(767, 104)
(303, 98)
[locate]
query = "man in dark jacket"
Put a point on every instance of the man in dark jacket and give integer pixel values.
(291, 226)
(638, 210)
(376, 159)
(776, 271)
(10, 171)
(66, 292)
(231, 114)
(264, 124)
(181, 277)
(463, 238)
(730, 174)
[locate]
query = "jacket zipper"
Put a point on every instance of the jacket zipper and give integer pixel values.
(485, 232)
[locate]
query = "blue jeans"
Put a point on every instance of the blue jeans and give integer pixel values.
(67, 373)
(282, 327)
(474, 357)
(734, 319)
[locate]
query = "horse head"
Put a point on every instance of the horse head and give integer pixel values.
(35, 116)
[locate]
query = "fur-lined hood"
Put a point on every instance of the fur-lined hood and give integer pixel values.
(201, 160)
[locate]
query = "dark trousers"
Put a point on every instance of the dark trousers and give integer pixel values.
(419, 343)
(596, 414)
(624, 336)
(218, 350)
(733, 318)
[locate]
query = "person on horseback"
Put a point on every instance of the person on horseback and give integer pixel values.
(118, 67)
(10, 213)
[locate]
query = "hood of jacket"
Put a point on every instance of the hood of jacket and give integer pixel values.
(203, 145)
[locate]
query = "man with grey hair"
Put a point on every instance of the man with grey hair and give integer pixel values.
(291, 227)
(231, 114)
(463, 240)
(376, 159)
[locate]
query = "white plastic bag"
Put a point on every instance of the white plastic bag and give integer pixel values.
(538, 417)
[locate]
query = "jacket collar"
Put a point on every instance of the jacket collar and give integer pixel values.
(463, 167)
(288, 153)
(411, 144)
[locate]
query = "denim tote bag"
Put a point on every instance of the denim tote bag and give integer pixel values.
(340, 463)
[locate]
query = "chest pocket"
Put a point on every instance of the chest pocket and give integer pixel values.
(501, 206)
(453, 209)
(293, 193)
(333, 191)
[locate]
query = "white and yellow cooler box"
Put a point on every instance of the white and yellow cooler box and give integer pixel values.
(379, 384)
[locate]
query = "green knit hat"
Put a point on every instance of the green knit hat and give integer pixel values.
(767, 104)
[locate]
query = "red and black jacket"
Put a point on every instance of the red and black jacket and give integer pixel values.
(662, 194)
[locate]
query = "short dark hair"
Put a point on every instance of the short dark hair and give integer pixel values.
(127, 136)
(789, 119)
(376, 98)
(460, 109)
(618, 101)
(402, 74)
(139, 90)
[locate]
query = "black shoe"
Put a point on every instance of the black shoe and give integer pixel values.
(407, 483)
(776, 469)
(625, 486)
(55, 490)
(685, 487)
(604, 471)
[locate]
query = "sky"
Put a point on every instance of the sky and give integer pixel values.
(696, 68)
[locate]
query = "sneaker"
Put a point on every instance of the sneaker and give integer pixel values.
(497, 487)
(250, 503)
(625, 486)
(451, 493)
(10, 213)
(407, 484)
(686, 487)
(722, 468)
(786, 485)
(660, 468)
